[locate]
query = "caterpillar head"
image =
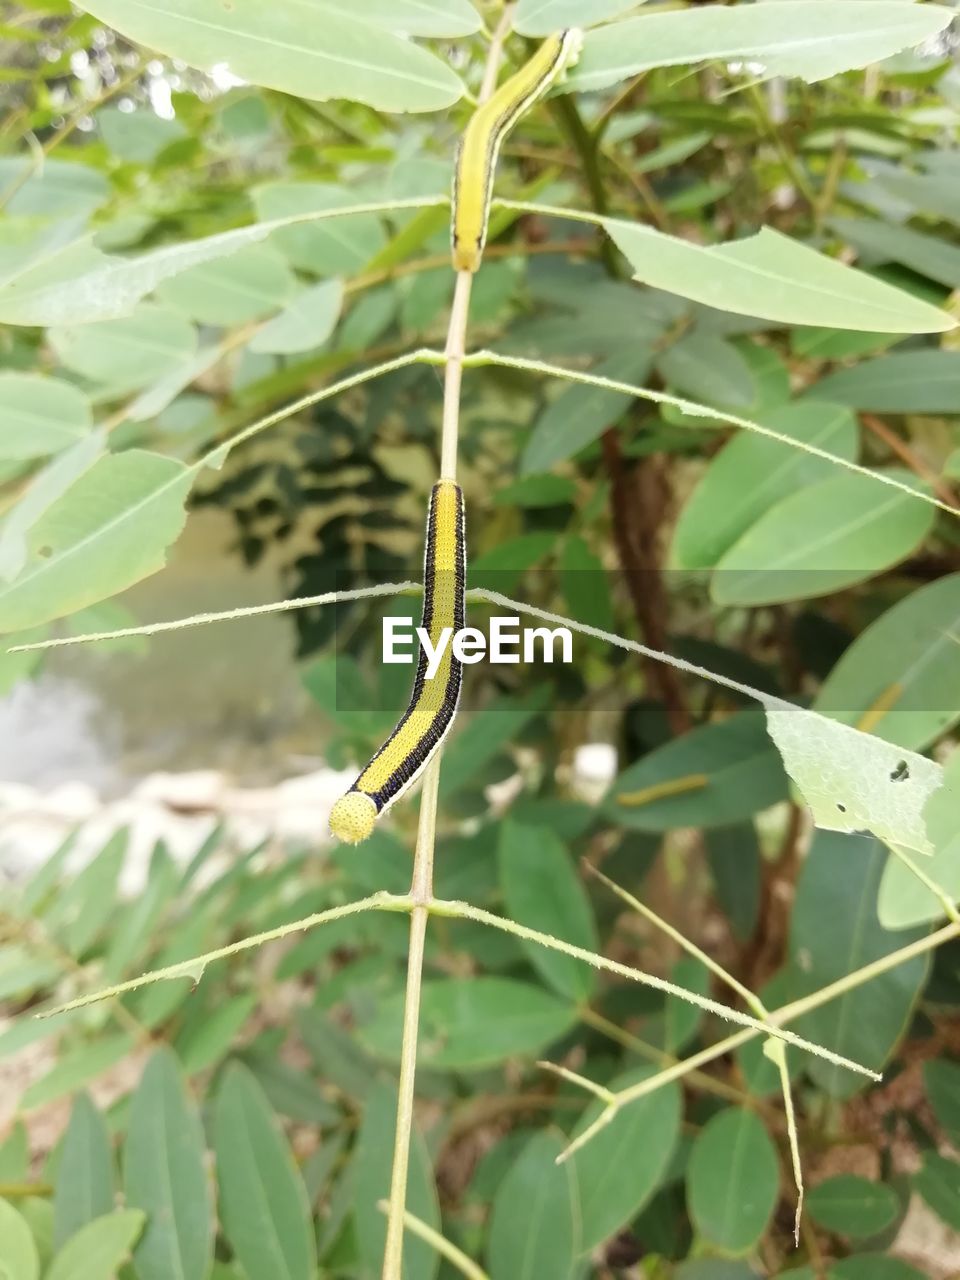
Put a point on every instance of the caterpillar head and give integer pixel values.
(352, 817)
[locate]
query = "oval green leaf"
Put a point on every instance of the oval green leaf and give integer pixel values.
(40, 415)
(109, 530)
(903, 670)
(371, 1184)
(751, 474)
(714, 775)
(541, 889)
(902, 382)
(771, 276)
(232, 291)
(467, 1024)
(619, 1170)
(534, 1216)
(733, 1180)
(263, 1203)
(99, 1249)
(853, 1206)
(84, 1187)
(19, 1259)
(832, 534)
(164, 1175)
(800, 38)
(838, 885)
(310, 51)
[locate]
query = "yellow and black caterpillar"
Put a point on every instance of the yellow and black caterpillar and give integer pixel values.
(484, 135)
(433, 703)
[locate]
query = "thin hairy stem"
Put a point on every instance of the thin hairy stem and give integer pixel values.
(483, 359)
(777, 1054)
(456, 1257)
(195, 966)
(750, 999)
(463, 911)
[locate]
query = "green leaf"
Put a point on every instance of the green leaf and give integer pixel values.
(311, 52)
(485, 734)
(904, 899)
(468, 1024)
(585, 585)
(827, 536)
(371, 1184)
(127, 354)
(84, 1187)
(911, 650)
(542, 890)
(109, 530)
(800, 38)
(77, 1068)
(931, 256)
(719, 1269)
(414, 17)
(938, 1181)
(305, 323)
(164, 1175)
(902, 382)
(41, 415)
(771, 276)
(206, 1042)
(942, 1082)
(77, 284)
(579, 415)
(709, 369)
(263, 1202)
(18, 1253)
(735, 864)
(733, 1180)
(855, 782)
(853, 1206)
(338, 247)
(751, 474)
(97, 1251)
(714, 775)
(873, 1266)
(534, 1218)
(137, 136)
(619, 1170)
(46, 486)
(53, 189)
(834, 930)
(544, 17)
(231, 291)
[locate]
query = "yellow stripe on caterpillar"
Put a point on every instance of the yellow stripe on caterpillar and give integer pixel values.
(482, 139)
(433, 702)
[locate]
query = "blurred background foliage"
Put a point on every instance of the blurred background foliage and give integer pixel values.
(733, 551)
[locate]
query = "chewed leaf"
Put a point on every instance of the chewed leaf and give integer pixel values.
(853, 781)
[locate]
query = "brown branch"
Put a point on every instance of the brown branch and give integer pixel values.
(639, 498)
(903, 451)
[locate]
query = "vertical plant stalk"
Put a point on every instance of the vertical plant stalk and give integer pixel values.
(421, 890)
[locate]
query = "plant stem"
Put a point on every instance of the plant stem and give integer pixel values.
(421, 889)
(443, 1246)
(421, 892)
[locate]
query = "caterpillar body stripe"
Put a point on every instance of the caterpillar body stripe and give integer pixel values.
(484, 135)
(433, 702)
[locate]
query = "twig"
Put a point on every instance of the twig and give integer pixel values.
(903, 451)
(456, 1257)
